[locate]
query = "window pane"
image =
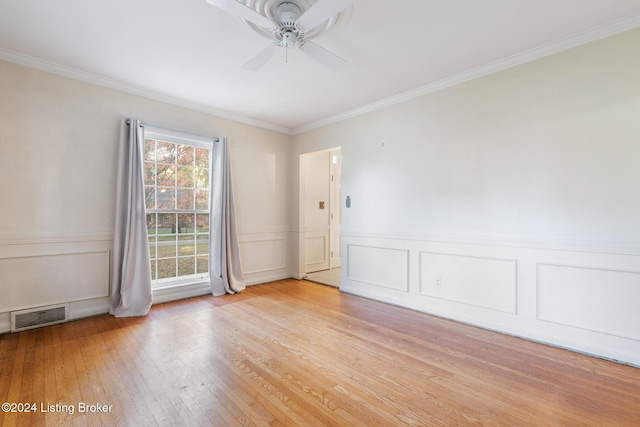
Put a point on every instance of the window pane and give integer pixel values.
(151, 224)
(150, 149)
(185, 198)
(149, 173)
(186, 247)
(167, 223)
(202, 178)
(166, 198)
(202, 244)
(185, 177)
(166, 248)
(202, 264)
(153, 245)
(186, 223)
(150, 197)
(186, 154)
(166, 268)
(202, 199)
(166, 175)
(153, 269)
(202, 223)
(186, 266)
(165, 152)
(202, 157)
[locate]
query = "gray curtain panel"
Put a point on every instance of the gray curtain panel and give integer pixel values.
(130, 268)
(225, 269)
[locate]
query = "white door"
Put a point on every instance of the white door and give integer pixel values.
(317, 207)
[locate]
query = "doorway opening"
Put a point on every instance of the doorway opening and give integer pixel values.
(320, 215)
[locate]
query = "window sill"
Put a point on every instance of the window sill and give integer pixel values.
(181, 291)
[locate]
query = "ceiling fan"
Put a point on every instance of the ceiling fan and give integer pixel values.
(289, 27)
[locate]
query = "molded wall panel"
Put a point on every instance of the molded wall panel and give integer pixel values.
(483, 282)
(260, 256)
(596, 299)
(385, 267)
(316, 248)
(43, 280)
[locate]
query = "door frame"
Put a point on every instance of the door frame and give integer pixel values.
(334, 202)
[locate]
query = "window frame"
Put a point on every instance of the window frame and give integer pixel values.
(178, 138)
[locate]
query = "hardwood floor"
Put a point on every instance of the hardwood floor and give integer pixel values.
(297, 353)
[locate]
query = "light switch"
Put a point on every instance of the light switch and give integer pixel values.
(321, 205)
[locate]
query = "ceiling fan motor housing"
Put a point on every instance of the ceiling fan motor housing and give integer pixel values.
(287, 32)
(287, 13)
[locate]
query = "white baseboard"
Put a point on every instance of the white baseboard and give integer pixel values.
(88, 308)
(266, 278)
(5, 323)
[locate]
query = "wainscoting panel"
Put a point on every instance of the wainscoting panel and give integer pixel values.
(597, 299)
(478, 281)
(316, 250)
(265, 255)
(384, 267)
(259, 256)
(31, 281)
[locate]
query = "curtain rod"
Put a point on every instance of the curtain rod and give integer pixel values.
(128, 122)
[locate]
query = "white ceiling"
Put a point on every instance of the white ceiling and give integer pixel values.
(191, 52)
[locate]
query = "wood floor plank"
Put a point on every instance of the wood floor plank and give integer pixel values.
(293, 353)
(353, 353)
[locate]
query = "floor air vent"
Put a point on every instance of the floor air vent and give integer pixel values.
(40, 316)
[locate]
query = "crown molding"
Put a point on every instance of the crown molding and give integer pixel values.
(542, 51)
(72, 73)
(548, 49)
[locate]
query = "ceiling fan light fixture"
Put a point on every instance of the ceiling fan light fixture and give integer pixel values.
(289, 39)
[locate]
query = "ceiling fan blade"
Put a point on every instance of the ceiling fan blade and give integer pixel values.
(323, 56)
(321, 11)
(239, 9)
(258, 61)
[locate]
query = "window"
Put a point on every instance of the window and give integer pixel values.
(177, 190)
